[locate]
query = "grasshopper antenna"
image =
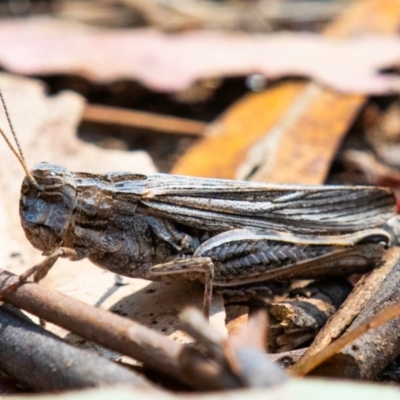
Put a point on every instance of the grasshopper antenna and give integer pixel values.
(19, 154)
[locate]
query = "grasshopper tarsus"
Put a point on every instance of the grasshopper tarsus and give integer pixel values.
(40, 270)
(208, 289)
(199, 267)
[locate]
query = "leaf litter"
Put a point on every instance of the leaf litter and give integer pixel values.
(173, 62)
(49, 134)
(123, 295)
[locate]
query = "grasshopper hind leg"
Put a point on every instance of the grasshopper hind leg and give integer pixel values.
(245, 257)
(192, 267)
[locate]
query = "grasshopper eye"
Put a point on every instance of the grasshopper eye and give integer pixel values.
(53, 196)
(53, 188)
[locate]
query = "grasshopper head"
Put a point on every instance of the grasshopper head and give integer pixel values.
(46, 205)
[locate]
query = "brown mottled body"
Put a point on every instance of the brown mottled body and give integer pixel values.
(225, 233)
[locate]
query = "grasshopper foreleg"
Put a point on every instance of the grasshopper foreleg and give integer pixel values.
(192, 266)
(39, 271)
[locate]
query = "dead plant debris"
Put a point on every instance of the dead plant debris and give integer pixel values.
(327, 127)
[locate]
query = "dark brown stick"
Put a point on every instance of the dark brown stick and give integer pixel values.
(112, 331)
(144, 120)
(125, 336)
(43, 362)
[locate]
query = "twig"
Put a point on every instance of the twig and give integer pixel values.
(354, 304)
(141, 119)
(28, 353)
(112, 331)
(247, 351)
(371, 353)
(384, 316)
(237, 355)
(374, 314)
(194, 323)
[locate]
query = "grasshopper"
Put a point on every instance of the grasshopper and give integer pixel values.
(225, 233)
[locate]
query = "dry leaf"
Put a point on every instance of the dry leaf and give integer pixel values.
(174, 62)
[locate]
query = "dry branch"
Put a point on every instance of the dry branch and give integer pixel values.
(116, 333)
(368, 354)
(351, 308)
(43, 362)
(384, 316)
(373, 351)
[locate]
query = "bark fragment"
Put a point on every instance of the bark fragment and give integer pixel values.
(305, 311)
(369, 354)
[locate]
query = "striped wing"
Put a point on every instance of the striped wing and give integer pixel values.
(217, 205)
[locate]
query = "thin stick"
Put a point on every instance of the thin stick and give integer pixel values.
(364, 290)
(114, 332)
(141, 119)
(28, 353)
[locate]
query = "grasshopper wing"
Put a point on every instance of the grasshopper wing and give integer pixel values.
(217, 205)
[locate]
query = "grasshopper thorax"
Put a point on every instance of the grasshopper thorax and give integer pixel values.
(47, 205)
